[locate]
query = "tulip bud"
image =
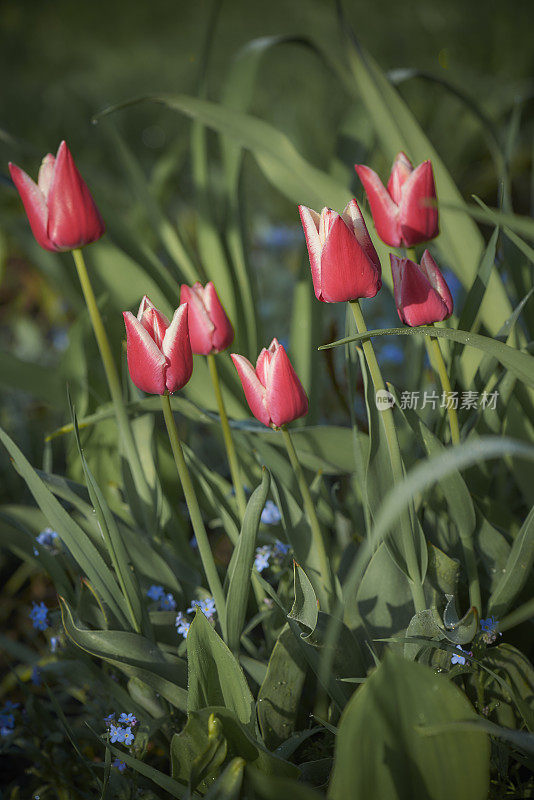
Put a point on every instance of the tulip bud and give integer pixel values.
(273, 391)
(403, 213)
(421, 292)
(159, 353)
(344, 263)
(61, 212)
(210, 330)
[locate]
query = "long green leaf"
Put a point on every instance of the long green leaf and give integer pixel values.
(521, 364)
(75, 539)
(215, 677)
(240, 569)
(517, 571)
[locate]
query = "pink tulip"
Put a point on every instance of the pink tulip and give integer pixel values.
(344, 263)
(273, 391)
(421, 293)
(402, 213)
(61, 212)
(159, 352)
(210, 330)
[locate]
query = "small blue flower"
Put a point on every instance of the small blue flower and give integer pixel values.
(489, 627)
(36, 676)
(127, 719)
(155, 592)
(456, 658)
(167, 603)
(206, 605)
(117, 734)
(193, 542)
(182, 625)
(9, 706)
(4, 731)
(120, 765)
(280, 549)
(271, 514)
(38, 616)
(261, 559)
(128, 736)
(47, 538)
(109, 719)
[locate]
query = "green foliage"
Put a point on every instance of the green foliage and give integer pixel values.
(383, 748)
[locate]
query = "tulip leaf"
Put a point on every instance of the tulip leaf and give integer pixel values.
(392, 761)
(520, 364)
(133, 654)
(193, 739)
(215, 677)
(517, 571)
(228, 784)
(240, 568)
(72, 535)
(280, 691)
(305, 608)
(424, 475)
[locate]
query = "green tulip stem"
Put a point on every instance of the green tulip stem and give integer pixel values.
(204, 548)
(325, 589)
(231, 455)
(436, 359)
(125, 431)
(386, 415)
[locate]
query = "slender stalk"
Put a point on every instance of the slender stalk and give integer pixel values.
(204, 548)
(325, 589)
(112, 376)
(436, 359)
(386, 415)
(518, 616)
(233, 463)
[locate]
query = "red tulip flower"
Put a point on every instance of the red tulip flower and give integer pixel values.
(344, 263)
(403, 213)
(210, 330)
(421, 292)
(159, 352)
(61, 212)
(273, 391)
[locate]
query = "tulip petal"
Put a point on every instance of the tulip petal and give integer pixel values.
(146, 363)
(310, 223)
(419, 220)
(437, 281)
(401, 170)
(262, 365)
(34, 204)
(347, 272)
(286, 398)
(385, 212)
(223, 335)
(146, 302)
(201, 328)
(177, 348)
(354, 218)
(73, 218)
(420, 303)
(46, 173)
(255, 393)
